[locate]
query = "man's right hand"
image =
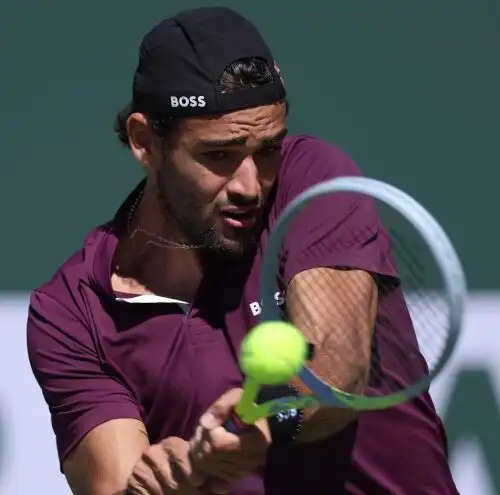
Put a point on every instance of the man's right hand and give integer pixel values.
(165, 468)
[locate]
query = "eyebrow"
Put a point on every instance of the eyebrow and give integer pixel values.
(240, 141)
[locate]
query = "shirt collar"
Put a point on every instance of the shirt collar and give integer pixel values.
(100, 248)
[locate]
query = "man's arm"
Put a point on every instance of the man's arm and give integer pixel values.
(335, 309)
(336, 248)
(116, 458)
(101, 439)
(103, 461)
(96, 419)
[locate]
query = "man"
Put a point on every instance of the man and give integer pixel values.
(134, 341)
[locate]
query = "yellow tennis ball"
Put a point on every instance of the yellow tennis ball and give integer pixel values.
(273, 352)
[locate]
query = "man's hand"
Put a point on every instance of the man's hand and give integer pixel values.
(165, 468)
(226, 456)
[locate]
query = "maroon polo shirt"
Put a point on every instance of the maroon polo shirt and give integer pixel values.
(100, 356)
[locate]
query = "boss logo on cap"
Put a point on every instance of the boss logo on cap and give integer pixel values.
(187, 101)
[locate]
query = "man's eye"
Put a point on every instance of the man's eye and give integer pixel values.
(216, 156)
(270, 150)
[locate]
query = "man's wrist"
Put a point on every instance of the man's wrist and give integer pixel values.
(286, 425)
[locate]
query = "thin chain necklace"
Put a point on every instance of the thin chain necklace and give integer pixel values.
(157, 238)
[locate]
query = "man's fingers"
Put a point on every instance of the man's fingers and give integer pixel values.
(219, 439)
(213, 447)
(210, 444)
(221, 409)
(143, 483)
(181, 466)
(143, 486)
(220, 454)
(192, 476)
(219, 451)
(160, 465)
(165, 468)
(144, 480)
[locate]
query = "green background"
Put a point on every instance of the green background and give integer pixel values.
(409, 88)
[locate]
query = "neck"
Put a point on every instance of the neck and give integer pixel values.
(146, 217)
(150, 257)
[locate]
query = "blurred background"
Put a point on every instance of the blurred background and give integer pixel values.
(410, 89)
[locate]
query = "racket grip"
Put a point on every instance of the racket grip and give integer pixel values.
(233, 424)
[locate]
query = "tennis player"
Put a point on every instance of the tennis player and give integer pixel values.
(134, 341)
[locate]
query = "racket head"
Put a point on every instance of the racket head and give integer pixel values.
(447, 269)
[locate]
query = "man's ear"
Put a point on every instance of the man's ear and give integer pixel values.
(142, 139)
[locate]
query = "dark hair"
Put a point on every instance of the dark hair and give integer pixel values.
(244, 73)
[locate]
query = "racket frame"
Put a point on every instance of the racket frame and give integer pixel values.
(443, 252)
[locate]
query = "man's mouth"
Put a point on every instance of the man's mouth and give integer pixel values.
(240, 219)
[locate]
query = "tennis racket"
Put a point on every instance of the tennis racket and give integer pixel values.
(430, 283)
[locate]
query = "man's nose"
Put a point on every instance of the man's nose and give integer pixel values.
(245, 182)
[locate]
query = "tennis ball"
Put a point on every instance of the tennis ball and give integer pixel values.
(273, 352)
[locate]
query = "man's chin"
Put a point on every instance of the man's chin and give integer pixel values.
(233, 247)
(236, 243)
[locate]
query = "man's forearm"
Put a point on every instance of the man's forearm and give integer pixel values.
(336, 311)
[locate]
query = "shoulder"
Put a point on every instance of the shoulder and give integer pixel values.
(309, 155)
(58, 328)
(63, 288)
(305, 162)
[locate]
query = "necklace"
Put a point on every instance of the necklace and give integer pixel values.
(157, 239)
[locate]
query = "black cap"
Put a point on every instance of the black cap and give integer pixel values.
(182, 59)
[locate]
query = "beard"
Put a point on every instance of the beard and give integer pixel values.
(196, 224)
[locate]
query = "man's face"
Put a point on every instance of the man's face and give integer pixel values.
(215, 179)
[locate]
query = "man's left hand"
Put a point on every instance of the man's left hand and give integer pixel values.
(227, 456)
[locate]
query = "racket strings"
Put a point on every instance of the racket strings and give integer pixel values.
(338, 308)
(421, 292)
(409, 332)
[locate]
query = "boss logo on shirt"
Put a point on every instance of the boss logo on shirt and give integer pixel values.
(187, 101)
(256, 307)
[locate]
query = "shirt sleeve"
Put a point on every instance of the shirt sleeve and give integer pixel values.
(340, 230)
(66, 365)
